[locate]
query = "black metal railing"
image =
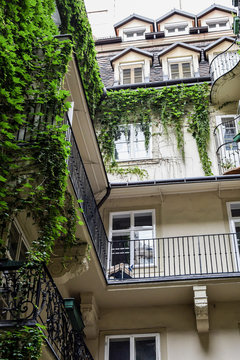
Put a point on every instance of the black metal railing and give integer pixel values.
(228, 151)
(223, 63)
(83, 191)
(30, 296)
(174, 257)
(78, 177)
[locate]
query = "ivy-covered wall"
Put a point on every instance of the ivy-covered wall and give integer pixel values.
(75, 21)
(33, 170)
(168, 106)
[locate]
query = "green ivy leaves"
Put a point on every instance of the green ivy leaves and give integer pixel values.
(168, 105)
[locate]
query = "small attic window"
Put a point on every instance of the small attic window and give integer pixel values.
(218, 24)
(134, 34)
(176, 28)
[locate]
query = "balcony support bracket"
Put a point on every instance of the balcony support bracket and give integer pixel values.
(201, 308)
(90, 314)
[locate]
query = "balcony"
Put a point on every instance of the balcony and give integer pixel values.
(228, 151)
(80, 183)
(174, 258)
(28, 297)
(225, 76)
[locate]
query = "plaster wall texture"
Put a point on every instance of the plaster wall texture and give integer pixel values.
(176, 325)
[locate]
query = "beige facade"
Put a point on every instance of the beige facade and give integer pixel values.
(177, 290)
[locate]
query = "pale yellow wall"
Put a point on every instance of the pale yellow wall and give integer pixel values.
(175, 19)
(214, 15)
(177, 328)
(131, 57)
(133, 24)
(180, 52)
(181, 214)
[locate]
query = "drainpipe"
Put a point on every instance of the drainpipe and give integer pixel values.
(105, 197)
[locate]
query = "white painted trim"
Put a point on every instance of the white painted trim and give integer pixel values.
(131, 232)
(132, 337)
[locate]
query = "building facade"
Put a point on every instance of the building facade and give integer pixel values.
(155, 272)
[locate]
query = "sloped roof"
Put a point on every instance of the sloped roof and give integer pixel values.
(173, 46)
(219, 41)
(127, 50)
(218, 7)
(173, 12)
(134, 16)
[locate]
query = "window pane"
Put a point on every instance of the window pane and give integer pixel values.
(121, 222)
(186, 68)
(145, 349)
(14, 238)
(122, 151)
(181, 28)
(174, 71)
(143, 219)
(23, 250)
(139, 134)
(126, 76)
(212, 26)
(235, 210)
(129, 34)
(143, 252)
(138, 75)
(229, 131)
(172, 30)
(223, 24)
(121, 249)
(140, 32)
(119, 349)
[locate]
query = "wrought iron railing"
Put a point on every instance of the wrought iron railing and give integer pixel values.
(84, 192)
(79, 180)
(174, 257)
(223, 63)
(228, 151)
(29, 296)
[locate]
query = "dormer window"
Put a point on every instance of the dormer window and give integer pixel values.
(134, 34)
(180, 68)
(218, 24)
(176, 29)
(131, 73)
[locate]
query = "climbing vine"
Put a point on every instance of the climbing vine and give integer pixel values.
(21, 343)
(74, 21)
(33, 170)
(169, 106)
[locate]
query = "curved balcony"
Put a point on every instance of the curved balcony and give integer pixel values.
(228, 151)
(225, 76)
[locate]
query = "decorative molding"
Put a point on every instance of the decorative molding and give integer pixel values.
(67, 264)
(90, 315)
(201, 308)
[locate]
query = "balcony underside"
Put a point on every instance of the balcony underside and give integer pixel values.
(227, 87)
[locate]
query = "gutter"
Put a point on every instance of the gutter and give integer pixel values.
(190, 81)
(191, 180)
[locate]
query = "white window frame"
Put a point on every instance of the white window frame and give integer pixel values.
(134, 30)
(131, 231)
(132, 348)
(232, 228)
(217, 22)
(133, 156)
(131, 66)
(175, 26)
(220, 127)
(21, 240)
(231, 219)
(180, 61)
